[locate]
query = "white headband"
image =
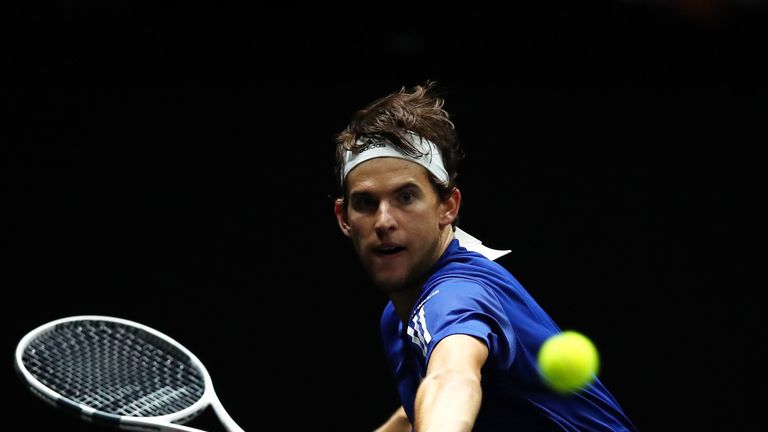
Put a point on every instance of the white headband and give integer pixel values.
(473, 244)
(376, 147)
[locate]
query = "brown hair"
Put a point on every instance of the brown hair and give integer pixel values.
(418, 110)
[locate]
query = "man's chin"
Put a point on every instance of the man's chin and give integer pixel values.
(390, 285)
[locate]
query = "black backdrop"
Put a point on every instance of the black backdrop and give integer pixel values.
(174, 166)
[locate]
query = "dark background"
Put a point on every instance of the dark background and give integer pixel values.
(174, 166)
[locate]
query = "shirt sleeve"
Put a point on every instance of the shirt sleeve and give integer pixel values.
(457, 306)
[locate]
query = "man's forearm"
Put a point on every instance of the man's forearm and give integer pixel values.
(448, 401)
(398, 422)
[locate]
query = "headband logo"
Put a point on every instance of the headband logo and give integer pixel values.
(371, 144)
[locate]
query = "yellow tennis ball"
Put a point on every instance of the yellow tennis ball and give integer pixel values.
(568, 361)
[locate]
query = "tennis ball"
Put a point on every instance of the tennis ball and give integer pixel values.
(568, 361)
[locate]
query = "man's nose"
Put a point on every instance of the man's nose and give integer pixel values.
(385, 220)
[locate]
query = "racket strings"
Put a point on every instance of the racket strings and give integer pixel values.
(115, 369)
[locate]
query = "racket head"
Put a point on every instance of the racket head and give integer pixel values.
(113, 370)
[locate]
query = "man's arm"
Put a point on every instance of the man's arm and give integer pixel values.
(449, 397)
(398, 422)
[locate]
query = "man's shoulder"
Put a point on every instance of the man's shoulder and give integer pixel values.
(389, 319)
(469, 267)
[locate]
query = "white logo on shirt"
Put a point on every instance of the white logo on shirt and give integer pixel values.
(417, 330)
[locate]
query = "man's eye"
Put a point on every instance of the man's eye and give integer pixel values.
(361, 204)
(406, 197)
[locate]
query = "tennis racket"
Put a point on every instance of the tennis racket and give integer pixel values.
(120, 372)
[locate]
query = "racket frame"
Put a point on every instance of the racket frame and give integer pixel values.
(165, 423)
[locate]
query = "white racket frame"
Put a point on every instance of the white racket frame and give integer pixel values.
(164, 423)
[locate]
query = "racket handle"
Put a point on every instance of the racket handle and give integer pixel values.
(162, 428)
(224, 416)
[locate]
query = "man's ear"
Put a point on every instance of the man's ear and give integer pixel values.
(449, 209)
(341, 216)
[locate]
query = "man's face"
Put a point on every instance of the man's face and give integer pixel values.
(394, 220)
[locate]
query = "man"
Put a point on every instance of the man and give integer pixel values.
(460, 333)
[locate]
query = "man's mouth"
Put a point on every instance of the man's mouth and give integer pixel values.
(388, 250)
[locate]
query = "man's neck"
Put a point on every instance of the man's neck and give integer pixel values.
(404, 300)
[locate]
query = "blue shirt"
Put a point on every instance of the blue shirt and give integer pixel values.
(470, 294)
